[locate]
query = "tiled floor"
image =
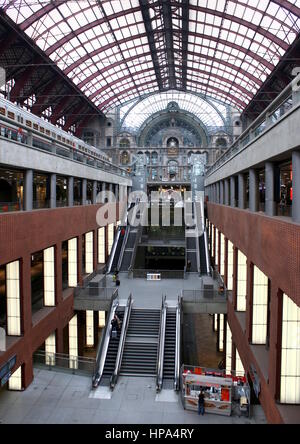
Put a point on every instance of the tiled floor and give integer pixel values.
(61, 398)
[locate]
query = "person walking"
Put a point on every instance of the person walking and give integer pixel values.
(201, 409)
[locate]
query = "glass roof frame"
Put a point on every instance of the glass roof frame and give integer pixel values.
(223, 48)
(207, 110)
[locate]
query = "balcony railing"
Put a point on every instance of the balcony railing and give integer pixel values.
(266, 120)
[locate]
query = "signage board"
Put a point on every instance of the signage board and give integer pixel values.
(8, 366)
(153, 276)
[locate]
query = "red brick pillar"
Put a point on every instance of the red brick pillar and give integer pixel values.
(95, 249)
(59, 340)
(27, 373)
(25, 294)
(225, 261)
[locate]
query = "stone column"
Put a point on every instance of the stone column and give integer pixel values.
(270, 207)
(222, 192)
(232, 191)
(103, 191)
(110, 191)
(242, 191)
(70, 191)
(28, 190)
(226, 186)
(296, 186)
(117, 192)
(53, 191)
(84, 185)
(253, 190)
(94, 197)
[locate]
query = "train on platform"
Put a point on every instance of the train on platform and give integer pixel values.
(18, 124)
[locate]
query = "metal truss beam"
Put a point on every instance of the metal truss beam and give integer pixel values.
(185, 39)
(168, 30)
(151, 40)
(22, 80)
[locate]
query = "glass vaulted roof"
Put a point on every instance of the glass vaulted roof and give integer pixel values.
(120, 49)
(208, 111)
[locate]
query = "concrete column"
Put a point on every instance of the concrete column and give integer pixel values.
(28, 190)
(29, 139)
(232, 191)
(270, 207)
(53, 191)
(218, 192)
(103, 191)
(242, 191)
(94, 197)
(70, 191)
(296, 186)
(84, 185)
(110, 189)
(226, 186)
(222, 192)
(253, 190)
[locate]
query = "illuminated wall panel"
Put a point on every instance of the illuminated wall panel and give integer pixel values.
(241, 281)
(239, 368)
(110, 237)
(101, 245)
(89, 252)
(13, 299)
(221, 332)
(260, 307)
(290, 353)
(101, 317)
(230, 266)
(49, 277)
(73, 343)
(50, 349)
(72, 263)
(222, 254)
(228, 349)
(90, 328)
(15, 381)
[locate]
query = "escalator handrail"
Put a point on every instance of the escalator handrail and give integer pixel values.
(115, 375)
(103, 346)
(161, 345)
(123, 247)
(206, 252)
(113, 250)
(177, 347)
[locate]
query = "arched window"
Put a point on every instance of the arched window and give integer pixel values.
(154, 157)
(124, 143)
(221, 142)
(124, 158)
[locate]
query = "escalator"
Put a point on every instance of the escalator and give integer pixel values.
(112, 351)
(117, 251)
(203, 260)
(140, 350)
(129, 248)
(169, 349)
(191, 253)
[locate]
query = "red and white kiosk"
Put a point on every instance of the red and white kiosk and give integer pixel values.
(218, 389)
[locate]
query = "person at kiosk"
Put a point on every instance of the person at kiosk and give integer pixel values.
(201, 408)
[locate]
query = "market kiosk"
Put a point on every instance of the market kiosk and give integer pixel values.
(218, 388)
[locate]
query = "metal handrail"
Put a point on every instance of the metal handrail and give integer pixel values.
(206, 251)
(161, 345)
(137, 240)
(178, 343)
(103, 346)
(113, 250)
(115, 375)
(127, 230)
(238, 145)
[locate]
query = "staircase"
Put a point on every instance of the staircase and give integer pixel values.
(170, 346)
(112, 352)
(140, 351)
